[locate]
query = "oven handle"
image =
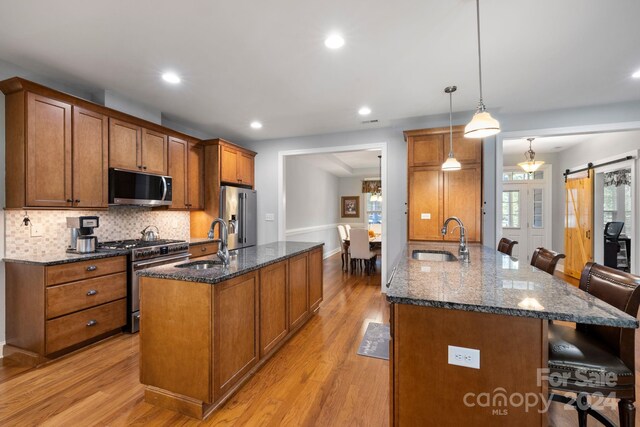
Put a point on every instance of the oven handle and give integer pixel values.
(160, 261)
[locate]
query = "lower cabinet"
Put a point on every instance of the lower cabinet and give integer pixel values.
(205, 249)
(315, 279)
(52, 310)
(274, 324)
(298, 290)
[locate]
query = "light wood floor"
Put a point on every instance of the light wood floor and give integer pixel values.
(316, 379)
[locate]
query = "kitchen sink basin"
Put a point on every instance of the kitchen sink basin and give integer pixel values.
(201, 265)
(428, 255)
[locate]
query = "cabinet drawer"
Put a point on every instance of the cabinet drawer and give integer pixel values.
(75, 328)
(70, 297)
(74, 271)
(203, 250)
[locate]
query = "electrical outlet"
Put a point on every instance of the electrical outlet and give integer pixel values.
(35, 230)
(425, 216)
(269, 217)
(467, 357)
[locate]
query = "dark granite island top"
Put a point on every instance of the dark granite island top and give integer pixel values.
(242, 261)
(61, 256)
(495, 283)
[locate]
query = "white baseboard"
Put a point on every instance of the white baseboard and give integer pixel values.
(331, 253)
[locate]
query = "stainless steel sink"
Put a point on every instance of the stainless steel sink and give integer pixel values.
(201, 265)
(429, 255)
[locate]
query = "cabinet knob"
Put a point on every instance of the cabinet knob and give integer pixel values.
(144, 167)
(92, 268)
(92, 322)
(91, 292)
(139, 166)
(77, 200)
(69, 200)
(203, 249)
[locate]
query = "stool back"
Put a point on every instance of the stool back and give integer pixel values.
(506, 245)
(546, 260)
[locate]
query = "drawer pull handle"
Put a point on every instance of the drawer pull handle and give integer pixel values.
(92, 268)
(91, 292)
(92, 322)
(203, 249)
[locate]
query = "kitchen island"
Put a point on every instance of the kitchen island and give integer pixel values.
(468, 340)
(205, 328)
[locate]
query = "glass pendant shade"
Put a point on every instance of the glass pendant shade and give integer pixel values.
(531, 166)
(451, 164)
(481, 125)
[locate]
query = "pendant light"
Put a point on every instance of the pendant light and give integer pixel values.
(482, 124)
(530, 165)
(451, 164)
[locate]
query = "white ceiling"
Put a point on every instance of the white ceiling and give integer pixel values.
(347, 164)
(265, 60)
(551, 144)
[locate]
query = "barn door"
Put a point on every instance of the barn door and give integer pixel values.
(578, 229)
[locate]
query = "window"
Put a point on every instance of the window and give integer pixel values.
(511, 209)
(537, 208)
(374, 210)
(519, 175)
(610, 204)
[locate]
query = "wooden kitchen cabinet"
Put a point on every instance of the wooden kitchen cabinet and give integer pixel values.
(316, 292)
(228, 164)
(179, 172)
(298, 290)
(235, 326)
(90, 159)
(435, 195)
(236, 164)
(195, 182)
(48, 152)
(245, 169)
(273, 306)
(124, 145)
(52, 310)
(153, 152)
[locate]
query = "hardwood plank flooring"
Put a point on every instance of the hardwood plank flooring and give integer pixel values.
(315, 379)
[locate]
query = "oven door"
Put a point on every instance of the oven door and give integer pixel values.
(134, 292)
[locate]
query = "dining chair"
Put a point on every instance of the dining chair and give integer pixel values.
(506, 246)
(344, 248)
(347, 228)
(359, 249)
(546, 260)
(597, 360)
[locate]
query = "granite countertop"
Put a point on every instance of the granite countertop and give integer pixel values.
(495, 283)
(242, 261)
(61, 256)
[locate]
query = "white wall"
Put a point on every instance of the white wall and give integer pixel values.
(312, 211)
(351, 186)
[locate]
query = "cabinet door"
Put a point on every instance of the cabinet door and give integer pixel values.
(178, 170)
(463, 198)
(245, 169)
(467, 151)
(425, 204)
(298, 290)
(124, 145)
(315, 279)
(235, 342)
(426, 150)
(48, 152)
(228, 165)
(196, 177)
(154, 152)
(90, 159)
(273, 306)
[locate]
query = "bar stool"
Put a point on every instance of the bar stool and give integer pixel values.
(506, 246)
(546, 260)
(601, 351)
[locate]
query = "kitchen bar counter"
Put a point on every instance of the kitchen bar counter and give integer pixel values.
(242, 261)
(496, 283)
(60, 256)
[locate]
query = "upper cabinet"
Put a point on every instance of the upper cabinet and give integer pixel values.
(236, 164)
(435, 195)
(60, 148)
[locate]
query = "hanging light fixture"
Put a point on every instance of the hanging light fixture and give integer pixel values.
(482, 124)
(451, 164)
(530, 165)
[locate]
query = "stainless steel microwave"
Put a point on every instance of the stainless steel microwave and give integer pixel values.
(138, 188)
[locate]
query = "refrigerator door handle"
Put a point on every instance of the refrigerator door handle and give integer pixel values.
(244, 218)
(240, 217)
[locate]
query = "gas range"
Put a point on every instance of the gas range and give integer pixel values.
(141, 249)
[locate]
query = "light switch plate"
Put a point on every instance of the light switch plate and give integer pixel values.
(425, 216)
(467, 357)
(269, 217)
(36, 230)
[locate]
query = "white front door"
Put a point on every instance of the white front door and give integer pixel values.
(514, 216)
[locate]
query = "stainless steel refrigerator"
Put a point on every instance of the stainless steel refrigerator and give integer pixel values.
(238, 208)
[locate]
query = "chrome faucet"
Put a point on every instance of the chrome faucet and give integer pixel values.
(223, 251)
(463, 250)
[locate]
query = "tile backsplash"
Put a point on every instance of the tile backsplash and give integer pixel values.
(117, 223)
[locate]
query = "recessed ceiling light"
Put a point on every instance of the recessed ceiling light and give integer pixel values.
(171, 77)
(636, 75)
(256, 125)
(334, 41)
(364, 111)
